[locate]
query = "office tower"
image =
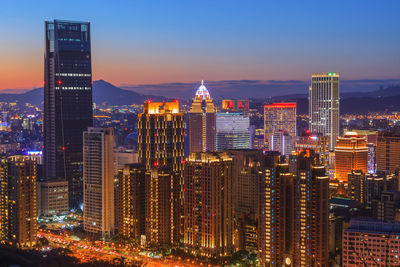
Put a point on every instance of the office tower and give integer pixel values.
(315, 142)
(324, 94)
(247, 175)
(202, 120)
(336, 224)
(311, 211)
(208, 204)
(18, 214)
(371, 243)
(232, 131)
(98, 181)
(282, 142)
(258, 141)
(162, 206)
(351, 153)
(276, 212)
(279, 117)
(387, 207)
(131, 202)
(371, 158)
(161, 133)
(236, 105)
(356, 187)
(388, 152)
(53, 197)
(67, 102)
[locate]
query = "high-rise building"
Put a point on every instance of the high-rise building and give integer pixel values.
(232, 131)
(236, 105)
(18, 206)
(208, 204)
(98, 181)
(356, 186)
(282, 142)
(311, 211)
(53, 197)
(162, 206)
(202, 120)
(131, 201)
(279, 117)
(67, 102)
(247, 176)
(324, 95)
(276, 212)
(371, 243)
(388, 152)
(161, 134)
(351, 153)
(387, 208)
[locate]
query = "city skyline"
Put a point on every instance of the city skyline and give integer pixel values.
(185, 42)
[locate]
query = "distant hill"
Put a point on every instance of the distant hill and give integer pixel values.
(102, 92)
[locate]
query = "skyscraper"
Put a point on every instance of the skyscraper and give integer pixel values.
(98, 181)
(67, 102)
(232, 131)
(281, 141)
(18, 205)
(351, 153)
(324, 95)
(388, 152)
(356, 186)
(131, 201)
(202, 120)
(160, 135)
(208, 204)
(279, 117)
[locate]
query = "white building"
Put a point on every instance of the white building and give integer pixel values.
(232, 131)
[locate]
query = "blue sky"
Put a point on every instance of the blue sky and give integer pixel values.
(137, 42)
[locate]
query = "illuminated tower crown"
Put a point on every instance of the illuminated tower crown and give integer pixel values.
(202, 92)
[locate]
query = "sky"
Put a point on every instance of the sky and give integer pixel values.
(168, 41)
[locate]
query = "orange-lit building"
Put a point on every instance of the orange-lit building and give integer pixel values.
(279, 117)
(388, 152)
(351, 153)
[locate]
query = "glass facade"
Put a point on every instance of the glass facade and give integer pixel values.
(232, 131)
(67, 102)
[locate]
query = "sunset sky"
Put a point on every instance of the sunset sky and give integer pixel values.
(149, 42)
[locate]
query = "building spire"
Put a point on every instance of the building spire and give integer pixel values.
(202, 82)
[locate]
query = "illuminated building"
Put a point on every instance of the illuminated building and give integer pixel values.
(356, 186)
(124, 156)
(161, 133)
(232, 131)
(53, 197)
(279, 117)
(258, 140)
(208, 204)
(311, 207)
(317, 143)
(376, 184)
(276, 212)
(371, 243)
(282, 142)
(162, 206)
(371, 158)
(161, 150)
(236, 105)
(247, 174)
(324, 94)
(18, 214)
(351, 153)
(98, 181)
(388, 152)
(67, 102)
(202, 120)
(131, 202)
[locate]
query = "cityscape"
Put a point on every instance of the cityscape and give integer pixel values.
(240, 166)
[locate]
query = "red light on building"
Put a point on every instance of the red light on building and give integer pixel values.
(281, 105)
(63, 148)
(59, 82)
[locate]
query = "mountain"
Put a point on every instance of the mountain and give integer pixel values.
(102, 92)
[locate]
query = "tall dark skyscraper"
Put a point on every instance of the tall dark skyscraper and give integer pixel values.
(67, 102)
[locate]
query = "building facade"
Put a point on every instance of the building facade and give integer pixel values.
(98, 181)
(324, 116)
(282, 142)
(202, 122)
(53, 197)
(208, 204)
(279, 117)
(351, 153)
(232, 131)
(67, 102)
(387, 152)
(18, 204)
